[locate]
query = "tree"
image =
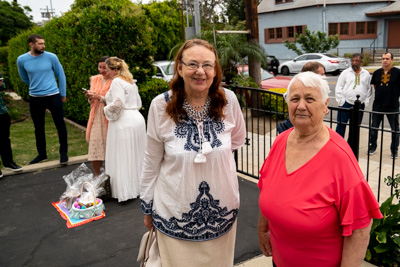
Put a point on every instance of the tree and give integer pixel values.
(312, 42)
(165, 19)
(234, 49)
(235, 11)
(14, 20)
(208, 9)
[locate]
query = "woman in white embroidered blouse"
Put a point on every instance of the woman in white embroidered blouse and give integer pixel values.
(189, 188)
(125, 144)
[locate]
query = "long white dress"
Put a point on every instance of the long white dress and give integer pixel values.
(126, 139)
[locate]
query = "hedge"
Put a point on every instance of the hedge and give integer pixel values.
(93, 28)
(4, 65)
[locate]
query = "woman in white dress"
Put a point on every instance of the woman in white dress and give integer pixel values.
(189, 187)
(126, 140)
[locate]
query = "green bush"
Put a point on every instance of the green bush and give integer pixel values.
(384, 244)
(366, 58)
(149, 90)
(4, 65)
(91, 29)
(275, 103)
(348, 55)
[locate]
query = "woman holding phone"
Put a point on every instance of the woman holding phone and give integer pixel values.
(96, 131)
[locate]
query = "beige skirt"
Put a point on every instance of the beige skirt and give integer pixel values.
(181, 253)
(98, 136)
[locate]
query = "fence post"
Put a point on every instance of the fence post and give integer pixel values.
(354, 131)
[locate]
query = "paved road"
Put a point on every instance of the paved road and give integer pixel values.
(33, 233)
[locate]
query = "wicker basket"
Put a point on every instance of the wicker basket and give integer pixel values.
(90, 212)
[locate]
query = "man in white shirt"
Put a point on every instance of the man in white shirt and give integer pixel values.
(352, 82)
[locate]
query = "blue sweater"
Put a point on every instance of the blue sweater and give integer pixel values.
(38, 72)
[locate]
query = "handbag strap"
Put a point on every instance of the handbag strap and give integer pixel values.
(148, 245)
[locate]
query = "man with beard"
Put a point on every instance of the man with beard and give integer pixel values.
(352, 82)
(386, 81)
(37, 68)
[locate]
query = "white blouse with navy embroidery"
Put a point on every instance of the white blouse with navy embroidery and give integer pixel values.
(191, 201)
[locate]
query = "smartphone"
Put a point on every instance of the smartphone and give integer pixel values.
(85, 90)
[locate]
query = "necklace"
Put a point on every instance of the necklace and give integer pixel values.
(198, 115)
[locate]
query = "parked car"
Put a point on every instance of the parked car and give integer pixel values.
(165, 69)
(331, 63)
(268, 80)
(273, 64)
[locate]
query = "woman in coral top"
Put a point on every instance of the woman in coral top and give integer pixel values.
(316, 206)
(96, 131)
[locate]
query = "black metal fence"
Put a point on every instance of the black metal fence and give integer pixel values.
(264, 109)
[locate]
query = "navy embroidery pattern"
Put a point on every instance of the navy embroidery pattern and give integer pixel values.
(166, 96)
(146, 207)
(206, 219)
(188, 129)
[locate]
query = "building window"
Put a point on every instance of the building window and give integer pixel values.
(354, 30)
(371, 27)
(271, 33)
(299, 29)
(360, 27)
(333, 28)
(290, 32)
(279, 33)
(344, 28)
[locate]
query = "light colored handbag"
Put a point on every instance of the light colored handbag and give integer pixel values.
(149, 254)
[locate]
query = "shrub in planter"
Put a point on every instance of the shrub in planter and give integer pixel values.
(275, 103)
(366, 58)
(384, 244)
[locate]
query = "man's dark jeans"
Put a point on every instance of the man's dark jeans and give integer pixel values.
(38, 106)
(5, 143)
(394, 125)
(344, 116)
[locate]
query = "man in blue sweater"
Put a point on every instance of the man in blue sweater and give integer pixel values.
(37, 68)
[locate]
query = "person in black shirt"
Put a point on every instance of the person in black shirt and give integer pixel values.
(386, 81)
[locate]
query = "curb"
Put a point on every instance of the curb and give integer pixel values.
(46, 165)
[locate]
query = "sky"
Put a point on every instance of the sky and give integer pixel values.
(59, 6)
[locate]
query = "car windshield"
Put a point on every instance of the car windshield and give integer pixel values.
(264, 74)
(169, 68)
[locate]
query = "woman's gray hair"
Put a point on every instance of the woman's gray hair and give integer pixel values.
(311, 80)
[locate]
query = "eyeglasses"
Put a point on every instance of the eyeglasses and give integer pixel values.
(196, 66)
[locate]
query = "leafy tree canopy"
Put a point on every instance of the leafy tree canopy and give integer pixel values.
(14, 19)
(234, 49)
(166, 21)
(312, 42)
(235, 11)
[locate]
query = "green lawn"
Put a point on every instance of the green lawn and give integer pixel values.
(23, 138)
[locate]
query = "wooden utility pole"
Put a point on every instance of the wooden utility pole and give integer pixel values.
(252, 25)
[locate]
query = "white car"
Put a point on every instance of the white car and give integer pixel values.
(165, 69)
(332, 64)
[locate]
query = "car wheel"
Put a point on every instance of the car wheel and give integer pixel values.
(336, 73)
(285, 70)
